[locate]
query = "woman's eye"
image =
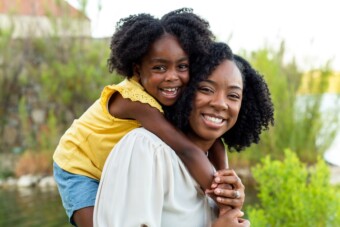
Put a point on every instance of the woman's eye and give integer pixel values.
(205, 90)
(234, 96)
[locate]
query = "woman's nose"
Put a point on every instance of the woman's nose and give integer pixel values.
(219, 101)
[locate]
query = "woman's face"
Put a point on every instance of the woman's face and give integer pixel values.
(216, 105)
(164, 70)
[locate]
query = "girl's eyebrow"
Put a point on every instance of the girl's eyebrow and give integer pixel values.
(162, 60)
(185, 58)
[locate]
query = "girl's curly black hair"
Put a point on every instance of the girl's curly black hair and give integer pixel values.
(135, 34)
(256, 113)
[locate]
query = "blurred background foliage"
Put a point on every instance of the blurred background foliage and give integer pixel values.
(62, 75)
(302, 123)
(291, 194)
(45, 83)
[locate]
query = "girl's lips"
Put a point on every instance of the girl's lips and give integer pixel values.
(170, 92)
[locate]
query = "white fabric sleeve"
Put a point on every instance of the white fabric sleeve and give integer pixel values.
(133, 183)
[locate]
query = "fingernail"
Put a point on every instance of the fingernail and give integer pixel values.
(217, 191)
(217, 179)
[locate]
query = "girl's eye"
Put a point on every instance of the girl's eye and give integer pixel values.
(161, 68)
(183, 67)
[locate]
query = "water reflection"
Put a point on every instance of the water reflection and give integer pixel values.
(31, 207)
(36, 207)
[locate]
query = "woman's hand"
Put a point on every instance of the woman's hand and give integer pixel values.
(227, 190)
(231, 218)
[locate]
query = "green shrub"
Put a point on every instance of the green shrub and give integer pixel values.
(291, 194)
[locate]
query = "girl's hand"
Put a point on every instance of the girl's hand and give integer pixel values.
(232, 218)
(227, 190)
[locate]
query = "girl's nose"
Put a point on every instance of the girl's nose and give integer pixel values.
(171, 75)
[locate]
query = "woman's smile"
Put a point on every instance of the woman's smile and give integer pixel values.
(217, 104)
(213, 121)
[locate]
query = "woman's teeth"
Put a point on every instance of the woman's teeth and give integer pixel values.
(213, 119)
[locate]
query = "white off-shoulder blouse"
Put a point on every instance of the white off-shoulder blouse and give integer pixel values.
(144, 183)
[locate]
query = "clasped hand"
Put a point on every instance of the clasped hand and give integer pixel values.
(227, 191)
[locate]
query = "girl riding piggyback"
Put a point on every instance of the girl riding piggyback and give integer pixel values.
(154, 56)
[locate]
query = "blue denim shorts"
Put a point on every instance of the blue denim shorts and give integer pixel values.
(76, 191)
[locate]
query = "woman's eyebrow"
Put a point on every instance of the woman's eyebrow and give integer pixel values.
(209, 81)
(233, 86)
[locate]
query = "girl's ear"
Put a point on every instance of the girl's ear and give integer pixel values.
(136, 70)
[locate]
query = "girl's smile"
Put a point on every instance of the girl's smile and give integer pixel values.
(164, 71)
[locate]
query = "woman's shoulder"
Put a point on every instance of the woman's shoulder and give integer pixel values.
(140, 146)
(142, 135)
(140, 142)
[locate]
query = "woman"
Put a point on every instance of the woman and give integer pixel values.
(144, 183)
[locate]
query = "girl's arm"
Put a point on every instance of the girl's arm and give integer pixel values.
(193, 157)
(217, 155)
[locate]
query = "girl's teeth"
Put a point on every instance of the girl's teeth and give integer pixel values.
(170, 89)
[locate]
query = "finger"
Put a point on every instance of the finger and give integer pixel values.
(236, 203)
(209, 191)
(214, 185)
(232, 198)
(234, 213)
(245, 222)
(232, 194)
(238, 184)
(226, 172)
(234, 180)
(224, 186)
(237, 194)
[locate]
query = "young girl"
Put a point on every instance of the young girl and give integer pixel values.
(154, 56)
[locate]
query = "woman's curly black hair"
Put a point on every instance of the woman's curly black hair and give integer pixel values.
(257, 110)
(136, 33)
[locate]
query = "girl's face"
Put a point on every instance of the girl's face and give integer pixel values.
(164, 70)
(216, 105)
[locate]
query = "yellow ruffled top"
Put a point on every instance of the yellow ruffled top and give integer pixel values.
(84, 147)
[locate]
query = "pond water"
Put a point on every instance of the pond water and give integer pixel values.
(35, 207)
(31, 207)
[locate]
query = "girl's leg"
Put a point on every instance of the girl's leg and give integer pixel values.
(78, 195)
